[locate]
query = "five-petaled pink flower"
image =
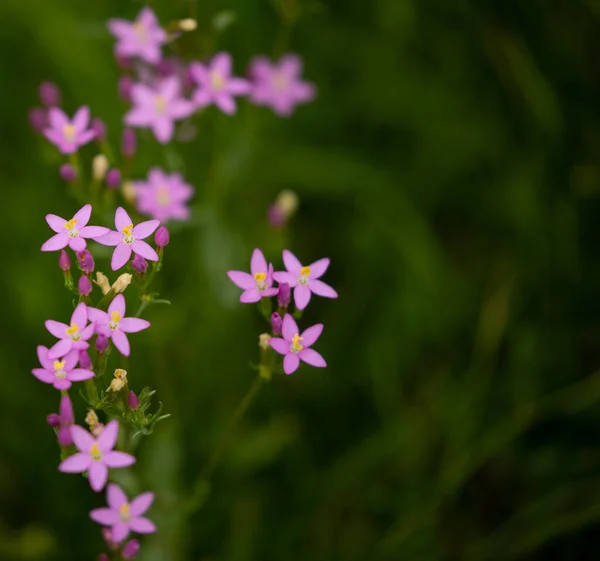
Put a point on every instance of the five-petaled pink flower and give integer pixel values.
(96, 455)
(72, 336)
(163, 196)
(216, 85)
(114, 325)
(72, 232)
(142, 37)
(304, 279)
(157, 108)
(295, 345)
(60, 373)
(128, 238)
(68, 135)
(259, 283)
(124, 516)
(278, 84)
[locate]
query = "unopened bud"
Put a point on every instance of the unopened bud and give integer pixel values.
(103, 557)
(53, 420)
(139, 264)
(113, 178)
(102, 282)
(276, 323)
(84, 359)
(284, 295)
(38, 119)
(64, 262)
(84, 286)
(133, 400)
(67, 415)
(125, 86)
(99, 128)
(107, 535)
(283, 209)
(128, 191)
(161, 238)
(119, 381)
(91, 419)
(128, 143)
(101, 343)
(188, 24)
(86, 261)
(68, 173)
(263, 341)
(131, 549)
(64, 436)
(49, 94)
(99, 167)
(122, 283)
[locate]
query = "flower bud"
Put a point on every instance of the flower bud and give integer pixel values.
(128, 192)
(99, 128)
(103, 557)
(68, 173)
(263, 341)
(119, 381)
(124, 62)
(283, 209)
(84, 286)
(131, 549)
(161, 238)
(125, 86)
(113, 178)
(139, 264)
(64, 262)
(102, 282)
(84, 359)
(97, 430)
(66, 410)
(101, 343)
(188, 24)
(49, 94)
(64, 436)
(53, 420)
(99, 167)
(107, 535)
(91, 419)
(284, 295)
(133, 400)
(86, 261)
(122, 283)
(128, 143)
(38, 119)
(276, 323)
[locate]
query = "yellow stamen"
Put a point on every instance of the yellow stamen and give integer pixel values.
(305, 271)
(161, 104)
(115, 316)
(124, 511)
(280, 82)
(296, 346)
(127, 231)
(71, 224)
(163, 197)
(216, 80)
(95, 452)
(260, 277)
(69, 132)
(73, 329)
(59, 365)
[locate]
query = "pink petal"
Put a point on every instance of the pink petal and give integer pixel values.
(60, 349)
(301, 296)
(199, 73)
(145, 229)
(93, 231)
(71, 360)
(57, 328)
(225, 103)
(119, 27)
(122, 219)
(82, 439)
(181, 108)
(258, 263)
(43, 375)
(42, 353)
(120, 256)
(121, 342)
(321, 289)
(56, 242)
(290, 65)
(141, 504)
(81, 120)
(289, 328)
(312, 357)
(290, 363)
(108, 437)
(115, 497)
(138, 117)
(284, 276)
(280, 345)
(110, 239)
(117, 305)
(133, 325)
(97, 316)
(169, 88)
(142, 526)
(241, 279)
(142, 248)
(77, 244)
(310, 335)
(238, 86)
(221, 63)
(250, 296)
(57, 117)
(75, 464)
(105, 516)
(83, 216)
(118, 459)
(56, 223)
(202, 97)
(291, 263)
(97, 474)
(119, 531)
(318, 268)
(80, 374)
(267, 293)
(163, 129)
(79, 316)
(62, 385)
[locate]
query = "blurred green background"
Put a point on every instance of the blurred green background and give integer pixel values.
(450, 170)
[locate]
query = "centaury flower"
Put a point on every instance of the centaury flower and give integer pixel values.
(124, 516)
(60, 373)
(304, 279)
(142, 38)
(295, 345)
(258, 284)
(163, 196)
(114, 325)
(69, 135)
(128, 238)
(96, 455)
(72, 336)
(72, 232)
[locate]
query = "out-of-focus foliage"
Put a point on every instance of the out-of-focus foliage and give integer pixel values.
(450, 169)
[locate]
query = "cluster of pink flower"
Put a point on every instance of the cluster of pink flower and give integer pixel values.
(304, 280)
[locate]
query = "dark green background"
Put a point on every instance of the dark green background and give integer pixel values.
(449, 168)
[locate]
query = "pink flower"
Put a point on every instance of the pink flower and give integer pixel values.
(96, 455)
(124, 516)
(278, 84)
(216, 85)
(157, 108)
(163, 196)
(67, 135)
(295, 346)
(114, 325)
(259, 283)
(72, 336)
(142, 38)
(128, 238)
(72, 232)
(304, 279)
(60, 373)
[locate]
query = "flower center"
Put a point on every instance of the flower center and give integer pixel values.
(95, 452)
(69, 132)
(160, 104)
(125, 513)
(71, 228)
(59, 371)
(140, 31)
(128, 237)
(163, 198)
(304, 273)
(296, 347)
(280, 82)
(260, 280)
(73, 332)
(115, 318)
(217, 82)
